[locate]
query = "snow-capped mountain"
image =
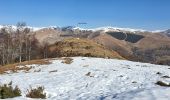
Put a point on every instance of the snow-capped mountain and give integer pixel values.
(104, 29)
(118, 29)
(73, 28)
(109, 28)
(14, 28)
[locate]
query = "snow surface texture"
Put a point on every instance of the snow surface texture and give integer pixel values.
(94, 79)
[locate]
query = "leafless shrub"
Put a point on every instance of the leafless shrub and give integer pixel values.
(36, 93)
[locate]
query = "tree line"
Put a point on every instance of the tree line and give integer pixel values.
(19, 45)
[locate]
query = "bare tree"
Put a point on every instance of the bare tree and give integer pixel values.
(20, 34)
(45, 49)
(18, 45)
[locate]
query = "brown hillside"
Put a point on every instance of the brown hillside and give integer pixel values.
(153, 41)
(81, 47)
(138, 46)
(122, 47)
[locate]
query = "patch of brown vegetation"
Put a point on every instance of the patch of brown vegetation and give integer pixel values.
(122, 47)
(67, 60)
(14, 67)
(153, 41)
(36, 93)
(164, 60)
(81, 47)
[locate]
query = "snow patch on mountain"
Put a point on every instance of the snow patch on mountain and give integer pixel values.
(115, 29)
(158, 31)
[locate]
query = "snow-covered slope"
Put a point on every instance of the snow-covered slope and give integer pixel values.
(167, 31)
(109, 28)
(94, 79)
(117, 29)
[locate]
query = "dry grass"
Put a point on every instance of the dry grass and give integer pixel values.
(67, 60)
(36, 93)
(14, 68)
(81, 47)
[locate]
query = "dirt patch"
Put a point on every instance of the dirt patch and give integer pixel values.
(15, 67)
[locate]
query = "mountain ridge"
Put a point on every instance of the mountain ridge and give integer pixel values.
(104, 28)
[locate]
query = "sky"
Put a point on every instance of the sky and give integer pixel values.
(141, 14)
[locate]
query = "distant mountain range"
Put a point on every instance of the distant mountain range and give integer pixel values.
(105, 29)
(132, 44)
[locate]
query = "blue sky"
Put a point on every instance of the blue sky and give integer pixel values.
(144, 14)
